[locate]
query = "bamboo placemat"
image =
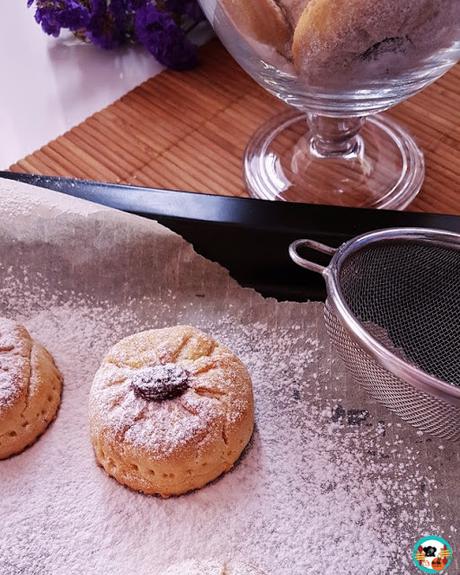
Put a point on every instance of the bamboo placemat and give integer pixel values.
(188, 131)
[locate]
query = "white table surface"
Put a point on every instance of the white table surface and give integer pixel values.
(50, 85)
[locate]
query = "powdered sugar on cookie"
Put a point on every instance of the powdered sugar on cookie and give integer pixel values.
(15, 348)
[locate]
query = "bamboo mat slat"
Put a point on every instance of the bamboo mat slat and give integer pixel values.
(189, 130)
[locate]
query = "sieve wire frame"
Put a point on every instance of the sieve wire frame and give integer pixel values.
(401, 369)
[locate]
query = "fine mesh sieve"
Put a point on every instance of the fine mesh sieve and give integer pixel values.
(393, 314)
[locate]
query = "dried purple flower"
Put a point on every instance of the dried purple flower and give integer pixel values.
(164, 38)
(135, 4)
(108, 24)
(53, 15)
(160, 25)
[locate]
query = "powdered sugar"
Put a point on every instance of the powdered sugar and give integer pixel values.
(158, 427)
(9, 387)
(308, 490)
(331, 482)
(161, 407)
(15, 348)
(211, 567)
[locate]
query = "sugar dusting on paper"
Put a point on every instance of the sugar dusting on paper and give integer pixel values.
(330, 482)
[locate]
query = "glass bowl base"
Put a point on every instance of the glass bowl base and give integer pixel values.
(383, 167)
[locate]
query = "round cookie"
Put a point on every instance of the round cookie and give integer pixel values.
(30, 388)
(194, 567)
(293, 10)
(332, 34)
(261, 20)
(170, 410)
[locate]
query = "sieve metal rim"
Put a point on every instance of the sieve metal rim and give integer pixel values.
(386, 359)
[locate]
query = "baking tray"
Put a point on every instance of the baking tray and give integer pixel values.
(249, 237)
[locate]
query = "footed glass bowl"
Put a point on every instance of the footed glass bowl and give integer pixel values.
(338, 63)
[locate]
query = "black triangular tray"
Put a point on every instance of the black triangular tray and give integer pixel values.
(249, 237)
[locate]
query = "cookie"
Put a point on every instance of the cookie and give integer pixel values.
(333, 34)
(293, 10)
(261, 20)
(170, 410)
(30, 388)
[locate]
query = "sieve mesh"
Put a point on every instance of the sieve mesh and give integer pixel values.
(422, 410)
(412, 291)
(406, 294)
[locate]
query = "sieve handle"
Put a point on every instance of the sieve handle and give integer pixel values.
(307, 264)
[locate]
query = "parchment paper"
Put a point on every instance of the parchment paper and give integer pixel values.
(54, 246)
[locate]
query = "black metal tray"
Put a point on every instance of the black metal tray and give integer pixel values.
(249, 237)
